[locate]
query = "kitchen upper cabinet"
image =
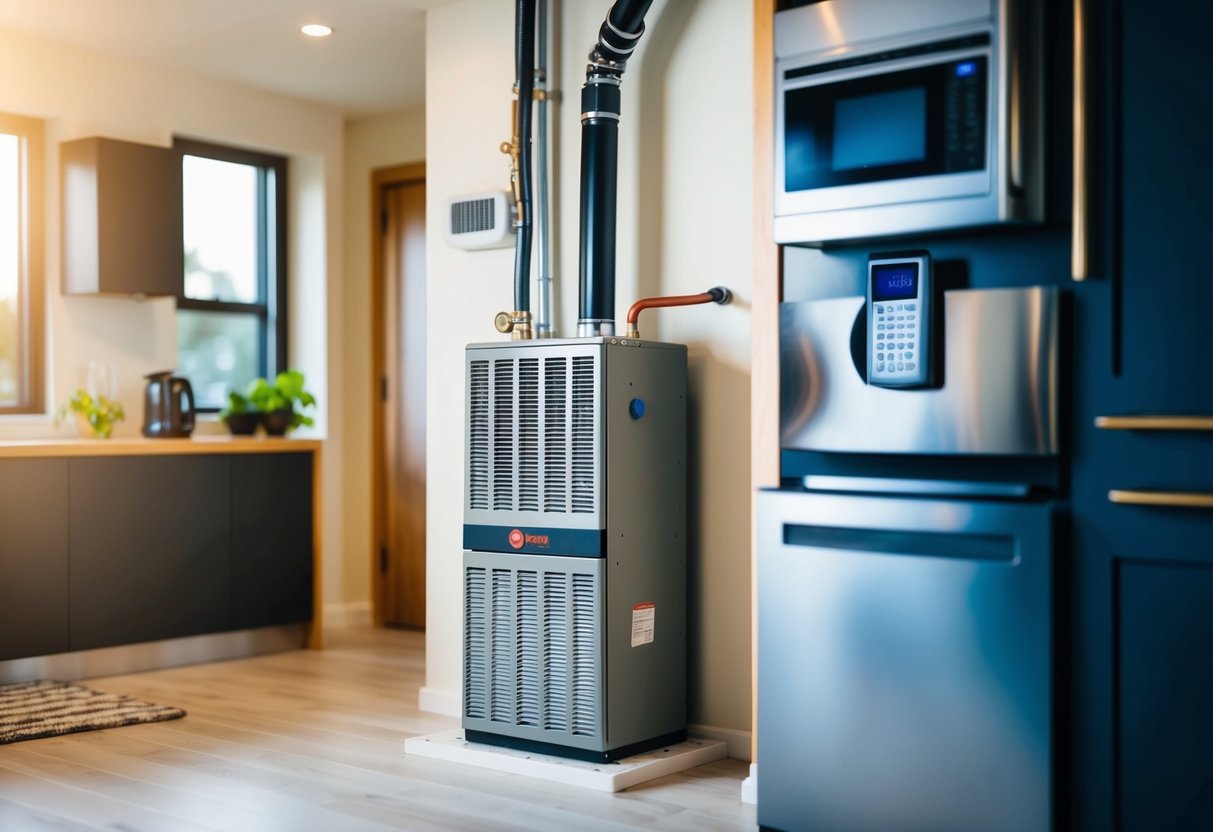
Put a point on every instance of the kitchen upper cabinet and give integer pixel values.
(33, 557)
(121, 206)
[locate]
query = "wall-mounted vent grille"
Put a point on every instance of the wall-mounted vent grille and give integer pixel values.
(533, 443)
(531, 654)
(484, 220)
(472, 215)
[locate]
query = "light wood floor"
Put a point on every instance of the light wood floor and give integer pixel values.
(314, 740)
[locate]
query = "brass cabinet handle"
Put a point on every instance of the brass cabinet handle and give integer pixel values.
(1172, 499)
(1154, 422)
(1079, 265)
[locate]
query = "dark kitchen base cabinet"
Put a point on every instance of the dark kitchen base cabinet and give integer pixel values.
(149, 548)
(111, 550)
(33, 557)
(271, 563)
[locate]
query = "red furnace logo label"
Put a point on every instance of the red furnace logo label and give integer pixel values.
(518, 539)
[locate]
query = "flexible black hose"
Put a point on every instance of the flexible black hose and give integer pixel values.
(524, 60)
(617, 39)
(622, 28)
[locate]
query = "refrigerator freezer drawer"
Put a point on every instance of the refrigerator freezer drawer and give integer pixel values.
(904, 663)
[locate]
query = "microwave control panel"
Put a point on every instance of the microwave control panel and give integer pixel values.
(899, 320)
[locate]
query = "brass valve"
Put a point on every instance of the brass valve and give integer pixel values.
(517, 324)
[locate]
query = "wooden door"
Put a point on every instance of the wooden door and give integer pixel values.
(404, 328)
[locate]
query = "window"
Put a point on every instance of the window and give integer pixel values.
(21, 218)
(231, 321)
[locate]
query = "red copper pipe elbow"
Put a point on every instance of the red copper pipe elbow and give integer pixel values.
(717, 294)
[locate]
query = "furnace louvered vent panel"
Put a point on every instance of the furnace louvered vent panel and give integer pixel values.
(478, 434)
(533, 444)
(585, 645)
(531, 651)
(475, 628)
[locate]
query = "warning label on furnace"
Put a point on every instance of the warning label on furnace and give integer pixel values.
(643, 617)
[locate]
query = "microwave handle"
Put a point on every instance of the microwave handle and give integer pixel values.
(1079, 261)
(1014, 61)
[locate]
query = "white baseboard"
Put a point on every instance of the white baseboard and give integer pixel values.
(749, 786)
(352, 614)
(738, 742)
(439, 701)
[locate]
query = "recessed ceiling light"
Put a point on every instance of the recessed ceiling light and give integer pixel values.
(317, 30)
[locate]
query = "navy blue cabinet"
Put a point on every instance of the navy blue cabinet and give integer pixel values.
(1142, 694)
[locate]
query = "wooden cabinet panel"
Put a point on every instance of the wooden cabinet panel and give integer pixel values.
(33, 557)
(150, 544)
(271, 560)
(122, 218)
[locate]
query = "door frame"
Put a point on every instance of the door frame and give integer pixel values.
(381, 180)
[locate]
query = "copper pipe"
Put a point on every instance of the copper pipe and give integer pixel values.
(717, 294)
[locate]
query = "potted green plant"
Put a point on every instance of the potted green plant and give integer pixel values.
(240, 416)
(281, 402)
(95, 415)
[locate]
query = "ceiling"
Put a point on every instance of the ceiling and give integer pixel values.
(373, 63)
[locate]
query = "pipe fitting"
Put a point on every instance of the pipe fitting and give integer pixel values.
(717, 294)
(520, 326)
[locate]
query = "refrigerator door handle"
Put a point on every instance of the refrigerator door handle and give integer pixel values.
(1155, 421)
(1166, 499)
(949, 544)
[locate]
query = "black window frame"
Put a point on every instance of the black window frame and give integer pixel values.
(271, 265)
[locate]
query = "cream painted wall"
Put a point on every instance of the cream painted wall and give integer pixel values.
(370, 143)
(684, 225)
(83, 93)
(468, 80)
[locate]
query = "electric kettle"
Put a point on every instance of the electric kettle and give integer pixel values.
(168, 405)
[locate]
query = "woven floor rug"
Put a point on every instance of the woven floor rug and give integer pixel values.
(30, 710)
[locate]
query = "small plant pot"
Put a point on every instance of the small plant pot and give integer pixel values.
(85, 429)
(278, 422)
(243, 424)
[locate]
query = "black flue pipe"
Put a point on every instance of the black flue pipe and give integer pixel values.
(600, 109)
(524, 65)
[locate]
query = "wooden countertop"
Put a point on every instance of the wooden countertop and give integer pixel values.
(140, 446)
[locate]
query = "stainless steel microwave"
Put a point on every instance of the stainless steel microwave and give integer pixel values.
(894, 117)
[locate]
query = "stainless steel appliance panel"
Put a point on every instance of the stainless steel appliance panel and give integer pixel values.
(999, 391)
(854, 51)
(904, 664)
(830, 26)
